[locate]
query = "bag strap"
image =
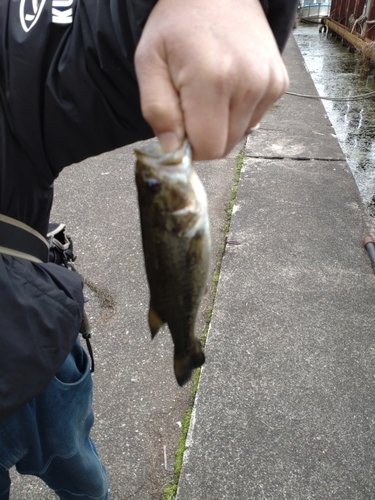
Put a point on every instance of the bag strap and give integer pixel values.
(20, 240)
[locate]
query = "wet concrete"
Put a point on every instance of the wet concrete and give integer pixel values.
(338, 72)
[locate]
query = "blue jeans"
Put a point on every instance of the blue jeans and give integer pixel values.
(49, 437)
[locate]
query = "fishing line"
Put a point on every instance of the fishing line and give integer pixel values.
(353, 98)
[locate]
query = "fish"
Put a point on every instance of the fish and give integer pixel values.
(176, 247)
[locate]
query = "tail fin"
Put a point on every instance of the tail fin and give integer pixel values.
(184, 363)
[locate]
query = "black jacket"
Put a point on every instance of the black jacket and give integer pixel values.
(67, 91)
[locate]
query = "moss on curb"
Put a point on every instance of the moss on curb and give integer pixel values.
(170, 490)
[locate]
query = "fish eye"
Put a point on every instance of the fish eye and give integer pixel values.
(153, 186)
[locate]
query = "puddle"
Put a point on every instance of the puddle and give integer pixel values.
(337, 72)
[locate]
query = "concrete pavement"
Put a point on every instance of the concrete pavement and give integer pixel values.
(285, 405)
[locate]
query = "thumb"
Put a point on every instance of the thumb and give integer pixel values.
(160, 101)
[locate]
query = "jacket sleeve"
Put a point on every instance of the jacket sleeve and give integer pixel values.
(91, 93)
(281, 15)
(67, 82)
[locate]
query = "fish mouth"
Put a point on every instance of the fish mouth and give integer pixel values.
(155, 152)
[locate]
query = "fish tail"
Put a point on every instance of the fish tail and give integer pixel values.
(184, 363)
(154, 321)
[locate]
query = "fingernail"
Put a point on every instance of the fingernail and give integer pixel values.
(169, 141)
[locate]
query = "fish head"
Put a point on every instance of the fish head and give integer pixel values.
(164, 179)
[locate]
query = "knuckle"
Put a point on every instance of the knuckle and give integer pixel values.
(153, 111)
(162, 116)
(280, 83)
(219, 74)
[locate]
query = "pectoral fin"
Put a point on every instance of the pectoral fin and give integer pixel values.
(154, 321)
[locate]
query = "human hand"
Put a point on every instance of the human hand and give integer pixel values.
(209, 69)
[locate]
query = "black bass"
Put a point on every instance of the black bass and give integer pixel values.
(176, 246)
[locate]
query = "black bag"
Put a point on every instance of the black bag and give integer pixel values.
(61, 253)
(60, 245)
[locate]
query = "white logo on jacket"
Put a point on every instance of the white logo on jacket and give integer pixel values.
(30, 11)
